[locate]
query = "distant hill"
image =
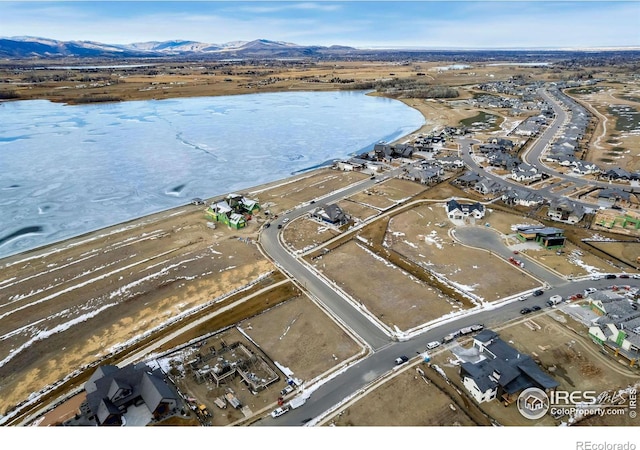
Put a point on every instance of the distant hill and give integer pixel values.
(27, 47)
(35, 47)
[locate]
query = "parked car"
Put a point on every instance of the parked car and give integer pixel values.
(279, 226)
(401, 360)
(590, 290)
(432, 345)
(525, 310)
(636, 276)
(267, 225)
(624, 275)
(287, 390)
(477, 327)
(610, 276)
(522, 298)
(285, 220)
(449, 338)
(538, 292)
(535, 308)
(279, 411)
(554, 300)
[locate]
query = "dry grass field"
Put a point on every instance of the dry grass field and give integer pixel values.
(391, 294)
(408, 399)
(421, 235)
(280, 197)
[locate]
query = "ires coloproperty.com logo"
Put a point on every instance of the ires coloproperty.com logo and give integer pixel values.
(534, 403)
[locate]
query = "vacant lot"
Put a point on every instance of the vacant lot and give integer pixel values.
(573, 261)
(392, 295)
(305, 234)
(408, 399)
(279, 197)
(421, 234)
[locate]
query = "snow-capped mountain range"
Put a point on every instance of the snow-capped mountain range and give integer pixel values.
(36, 47)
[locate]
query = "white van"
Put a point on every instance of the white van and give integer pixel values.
(432, 345)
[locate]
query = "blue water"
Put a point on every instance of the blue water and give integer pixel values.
(66, 170)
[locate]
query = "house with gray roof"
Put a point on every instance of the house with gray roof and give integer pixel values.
(113, 393)
(332, 214)
(618, 326)
(502, 372)
(457, 210)
(564, 210)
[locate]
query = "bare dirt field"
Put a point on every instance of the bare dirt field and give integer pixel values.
(573, 261)
(421, 234)
(300, 336)
(410, 399)
(283, 196)
(389, 293)
(305, 233)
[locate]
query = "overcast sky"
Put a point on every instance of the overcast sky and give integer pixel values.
(424, 24)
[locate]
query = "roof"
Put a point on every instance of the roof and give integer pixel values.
(505, 366)
(111, 387)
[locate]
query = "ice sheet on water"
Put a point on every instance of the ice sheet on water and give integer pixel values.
(102, 164)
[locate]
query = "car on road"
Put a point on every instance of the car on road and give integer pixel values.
(477, 327)
(401, 360)
(624, 275)
(525, 310)
(535, 308)
(522, 298)
(267, 225)
(279, 226)
(432, 345)
(636, 276)
(609, 276)
(538, 292)
(279, 411)
(590, 290)
(285, 220)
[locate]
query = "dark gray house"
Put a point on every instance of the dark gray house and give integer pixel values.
(503, 372)
(111, 391)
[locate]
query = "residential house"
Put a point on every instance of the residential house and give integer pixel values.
(525, 173)
(423, 175)
(332, 214)
(113, 391)
(563, 210)
(618, 326)
(456, 210)
(547, 237)
(502, 372)
(522, 197)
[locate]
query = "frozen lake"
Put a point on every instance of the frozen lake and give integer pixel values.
(66, 170)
